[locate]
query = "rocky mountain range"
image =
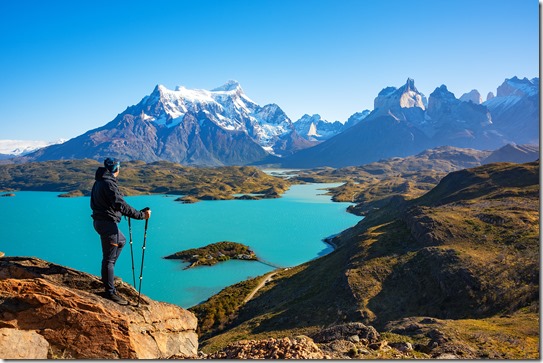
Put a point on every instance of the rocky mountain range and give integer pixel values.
(313, 128)
(404, 122)
(225, 127)
(193, 127)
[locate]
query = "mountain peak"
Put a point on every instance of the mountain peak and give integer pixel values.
(410, 85)
(407, 96)
(518, 87)
(442, 92)
(231, 85)
(472, 96)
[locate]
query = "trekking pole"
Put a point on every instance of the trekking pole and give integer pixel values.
(143, 256)
(131, 252)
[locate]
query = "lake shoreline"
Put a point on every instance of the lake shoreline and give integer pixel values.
(283, 232)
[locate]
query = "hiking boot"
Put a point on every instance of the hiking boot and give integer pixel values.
(114, 297)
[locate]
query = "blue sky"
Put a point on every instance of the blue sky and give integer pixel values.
(70, 66)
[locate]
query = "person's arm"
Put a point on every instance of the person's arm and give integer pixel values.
(119, 204)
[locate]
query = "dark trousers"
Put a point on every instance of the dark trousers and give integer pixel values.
(113, 242)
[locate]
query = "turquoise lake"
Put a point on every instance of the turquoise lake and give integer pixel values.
(287, 231)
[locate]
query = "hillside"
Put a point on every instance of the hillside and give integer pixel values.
(397, 179)
(455, 271)
(373, 185)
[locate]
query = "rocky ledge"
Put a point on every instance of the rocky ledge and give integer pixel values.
(49, 311)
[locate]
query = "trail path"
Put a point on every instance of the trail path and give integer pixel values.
(267, 278)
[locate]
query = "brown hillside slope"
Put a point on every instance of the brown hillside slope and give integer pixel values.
(454, 271)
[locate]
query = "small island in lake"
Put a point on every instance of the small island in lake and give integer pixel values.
(214, 253)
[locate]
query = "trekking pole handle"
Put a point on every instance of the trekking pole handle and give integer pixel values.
(145, 210)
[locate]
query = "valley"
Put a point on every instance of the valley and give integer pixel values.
(464, 254)
(446, 258)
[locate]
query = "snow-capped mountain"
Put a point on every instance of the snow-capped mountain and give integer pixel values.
(225, 127)
(191, 126)
(404, 122)
(11, 148)
(226, 106)
(515, 110)
(394, 99)
(314, 128)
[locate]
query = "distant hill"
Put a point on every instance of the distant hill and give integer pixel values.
(514, 154)
(454, 271)
(395, 179)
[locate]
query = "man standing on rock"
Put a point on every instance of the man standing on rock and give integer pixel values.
(108, 206)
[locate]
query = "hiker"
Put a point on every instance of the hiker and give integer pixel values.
(108, 206)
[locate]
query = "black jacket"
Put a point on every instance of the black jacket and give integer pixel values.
(106, 200)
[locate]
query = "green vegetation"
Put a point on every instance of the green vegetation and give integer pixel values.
(76, 177)
(218, 311)
(214, 253)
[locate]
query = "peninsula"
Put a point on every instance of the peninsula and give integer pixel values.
(75, 178)
(214, 253)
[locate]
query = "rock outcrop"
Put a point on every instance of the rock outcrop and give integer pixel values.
(60, 313)
(350, 331)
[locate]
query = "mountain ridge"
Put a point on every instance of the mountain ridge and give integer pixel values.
(404, 123)
(225, 127)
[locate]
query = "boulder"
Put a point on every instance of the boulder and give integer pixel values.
(347, 331)
(403, 347)
(66, 308)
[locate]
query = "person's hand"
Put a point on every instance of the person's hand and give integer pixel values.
(147, 213)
